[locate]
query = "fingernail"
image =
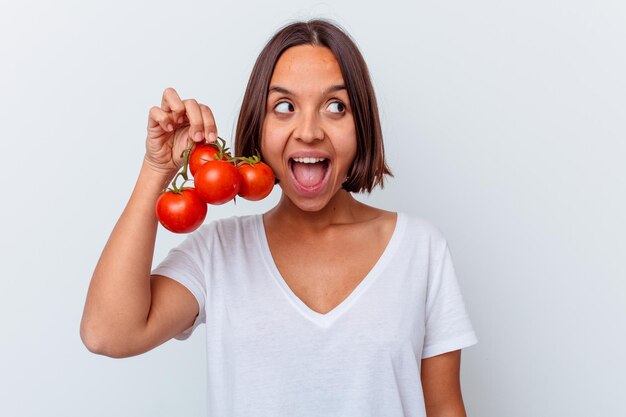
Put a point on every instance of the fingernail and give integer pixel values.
(212, 137)
(170, 128)
(198, 136)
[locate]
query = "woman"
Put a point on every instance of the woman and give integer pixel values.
(323, 306)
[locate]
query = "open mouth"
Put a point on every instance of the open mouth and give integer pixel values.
(309, 174)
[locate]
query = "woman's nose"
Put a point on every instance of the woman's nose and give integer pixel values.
(308, 127)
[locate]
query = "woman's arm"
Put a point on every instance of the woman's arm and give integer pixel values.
(442, 386)
(128, 311)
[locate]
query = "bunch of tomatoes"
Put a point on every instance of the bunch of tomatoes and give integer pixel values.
(218, 178)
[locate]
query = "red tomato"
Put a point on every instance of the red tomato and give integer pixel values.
(217, 182)
(201, 153)
(257, 181)
(181, 213)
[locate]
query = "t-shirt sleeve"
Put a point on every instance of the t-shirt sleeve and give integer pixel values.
(448, 326)
(185, 264)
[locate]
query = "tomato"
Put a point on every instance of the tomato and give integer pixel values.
(181, 212)
(201, 153)
(217, 182)
(257, 181)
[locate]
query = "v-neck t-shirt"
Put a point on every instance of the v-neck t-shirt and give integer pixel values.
(269, 354)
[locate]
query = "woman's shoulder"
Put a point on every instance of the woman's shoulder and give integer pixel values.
(413, 225)
(235, 224)
(229, 227)
(421, 227)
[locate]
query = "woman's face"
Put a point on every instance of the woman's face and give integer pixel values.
(308, 137)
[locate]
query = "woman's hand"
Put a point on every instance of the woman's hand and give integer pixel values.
(173, 127)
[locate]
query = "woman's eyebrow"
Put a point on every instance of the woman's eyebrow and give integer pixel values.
(334, 88)
(277, 89)
(283, 90)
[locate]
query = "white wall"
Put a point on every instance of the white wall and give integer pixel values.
(504, 124)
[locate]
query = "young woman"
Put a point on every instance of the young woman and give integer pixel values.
(323, 306)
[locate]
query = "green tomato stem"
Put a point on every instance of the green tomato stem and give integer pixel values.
(186, 153)
(251, 160)
(182, 173)
(221, 146)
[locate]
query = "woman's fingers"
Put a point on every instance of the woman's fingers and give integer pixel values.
(175, 112)
(158, 117)
(171, 103)
(210, 129)
(196, 126)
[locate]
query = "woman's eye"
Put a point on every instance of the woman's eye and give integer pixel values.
(336, 107)
(284, 107)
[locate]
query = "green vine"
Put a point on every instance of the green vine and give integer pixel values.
(183, 173)
(252, 160)
(222, 154)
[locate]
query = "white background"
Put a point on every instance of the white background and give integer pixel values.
(504, 126)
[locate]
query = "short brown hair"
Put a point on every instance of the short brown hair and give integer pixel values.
(369, 166)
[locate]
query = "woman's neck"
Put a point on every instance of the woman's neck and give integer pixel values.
(343, 208)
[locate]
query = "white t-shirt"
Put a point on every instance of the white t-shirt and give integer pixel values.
(270, 355)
